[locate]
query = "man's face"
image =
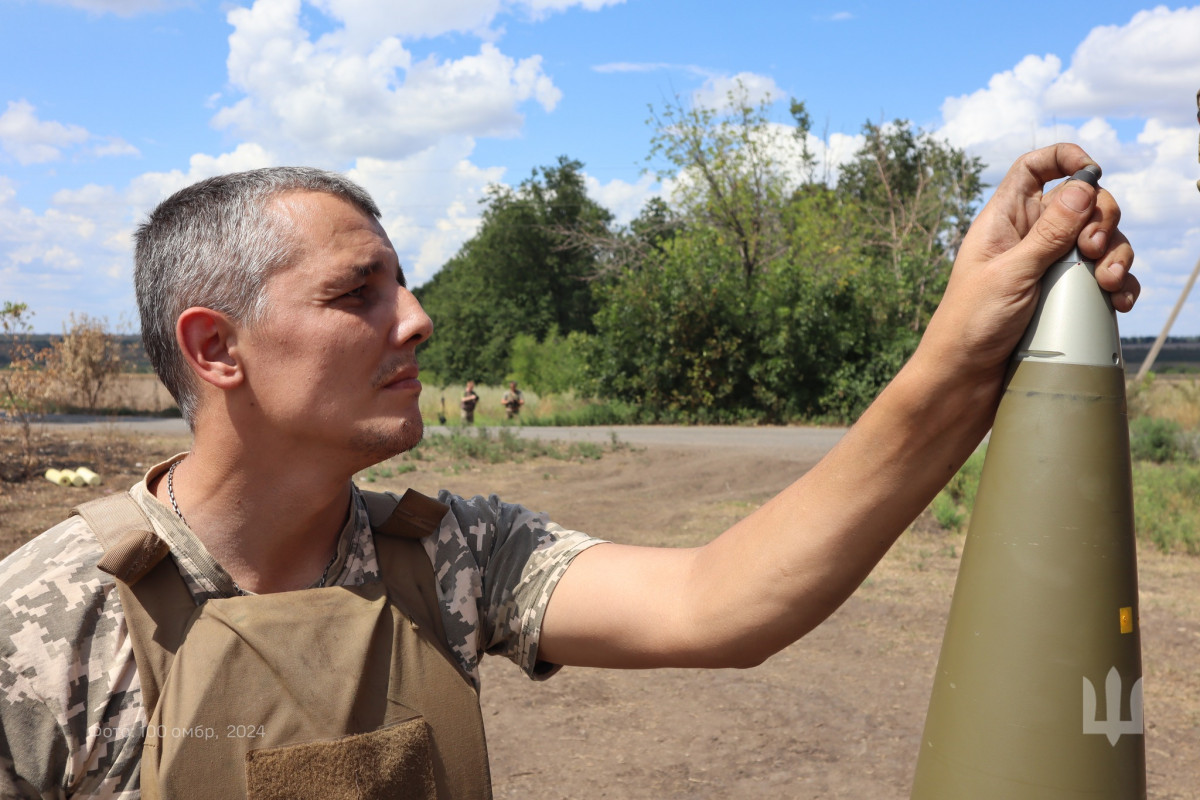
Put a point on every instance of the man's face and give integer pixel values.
(332, 367)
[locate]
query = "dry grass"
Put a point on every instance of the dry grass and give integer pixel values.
(1174, 398)
(137, 391)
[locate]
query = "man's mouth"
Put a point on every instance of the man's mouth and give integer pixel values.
(403, 378)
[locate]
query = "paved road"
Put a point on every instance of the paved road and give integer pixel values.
(790, 439)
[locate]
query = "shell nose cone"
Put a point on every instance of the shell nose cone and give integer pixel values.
(1074, 322)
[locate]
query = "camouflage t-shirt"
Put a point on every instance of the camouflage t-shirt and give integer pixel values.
(71, 714)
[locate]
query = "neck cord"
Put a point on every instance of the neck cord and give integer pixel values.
(178, 513)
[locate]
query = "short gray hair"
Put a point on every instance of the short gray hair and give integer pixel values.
(214, 244)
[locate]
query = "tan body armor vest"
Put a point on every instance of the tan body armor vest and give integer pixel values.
(338, 692)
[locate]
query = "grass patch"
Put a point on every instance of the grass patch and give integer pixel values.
(589, 414)
(952, 506)
(384, 471)
(1166, 505)
(499, 447)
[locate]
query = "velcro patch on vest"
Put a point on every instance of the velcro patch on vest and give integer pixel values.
(393, 762)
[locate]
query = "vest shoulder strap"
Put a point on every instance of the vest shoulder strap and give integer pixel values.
(403, 566)
(157, 604)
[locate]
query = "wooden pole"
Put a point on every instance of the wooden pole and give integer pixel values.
(1162, 337)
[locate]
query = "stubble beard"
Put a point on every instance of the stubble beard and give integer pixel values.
(379, 443)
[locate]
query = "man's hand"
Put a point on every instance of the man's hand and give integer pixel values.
(993, 289)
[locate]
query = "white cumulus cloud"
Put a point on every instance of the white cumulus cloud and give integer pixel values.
(1147, 67)
(33, 141)
(419, 19)
(718, 92)
(624, 199)
(76, 255)
(539, 8)
(329, 99)
(30, 140)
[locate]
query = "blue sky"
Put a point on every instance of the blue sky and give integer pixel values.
(107, 106)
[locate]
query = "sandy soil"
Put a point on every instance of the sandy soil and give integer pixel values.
(837, 715)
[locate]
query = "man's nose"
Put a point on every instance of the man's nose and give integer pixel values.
(412, 323)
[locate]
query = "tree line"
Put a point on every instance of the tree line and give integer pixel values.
(763, 288)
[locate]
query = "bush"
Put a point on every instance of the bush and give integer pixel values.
(947, 512)
(953, 504)
(553, 365)
(1157, 440)
(86, 359)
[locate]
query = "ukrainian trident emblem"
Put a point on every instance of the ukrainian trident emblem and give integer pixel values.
(1112, 725)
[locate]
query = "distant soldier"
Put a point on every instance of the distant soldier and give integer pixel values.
(513, 400)
(468, 403)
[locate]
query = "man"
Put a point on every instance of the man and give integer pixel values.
(302, 371)
(513, 400)
(469, 400)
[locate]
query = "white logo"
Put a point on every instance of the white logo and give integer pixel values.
(1112, 726)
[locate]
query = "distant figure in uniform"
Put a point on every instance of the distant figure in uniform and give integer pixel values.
(513, 400)
(468, 403)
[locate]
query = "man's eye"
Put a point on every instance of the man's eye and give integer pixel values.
(356, 294)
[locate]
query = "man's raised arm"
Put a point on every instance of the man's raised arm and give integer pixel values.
(778, 573)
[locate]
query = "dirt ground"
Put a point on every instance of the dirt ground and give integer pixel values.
(837, 715)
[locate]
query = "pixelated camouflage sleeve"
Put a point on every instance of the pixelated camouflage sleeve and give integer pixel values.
(497, 564)
(71, 722)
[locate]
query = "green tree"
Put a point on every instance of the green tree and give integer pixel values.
(918, 196)
(672, 334)
(528, 270)
(727, 174)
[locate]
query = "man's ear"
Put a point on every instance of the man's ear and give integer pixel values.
(209, 342)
